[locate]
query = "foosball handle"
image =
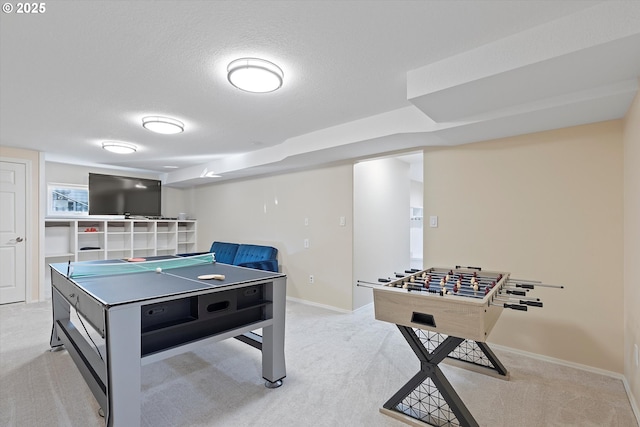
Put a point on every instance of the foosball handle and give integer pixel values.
(469, 267)
(516, 307)
(384, 280)
(518, 293)
(532, 303)
(524, 286)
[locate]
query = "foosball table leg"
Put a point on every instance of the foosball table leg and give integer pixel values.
(497, 365)
(429, 397)
(474, 355)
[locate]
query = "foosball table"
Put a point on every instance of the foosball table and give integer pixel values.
(448, 314)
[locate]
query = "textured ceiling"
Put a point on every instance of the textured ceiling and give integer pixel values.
(361, 78)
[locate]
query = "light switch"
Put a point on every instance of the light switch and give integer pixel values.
(433, 221)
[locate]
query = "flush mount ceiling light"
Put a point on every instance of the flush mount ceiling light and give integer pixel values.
(164, 125)
(254, 75)
(119, 147)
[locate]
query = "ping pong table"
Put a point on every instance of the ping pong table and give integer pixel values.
(152, 310)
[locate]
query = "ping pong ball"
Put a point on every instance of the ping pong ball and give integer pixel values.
(158, 270)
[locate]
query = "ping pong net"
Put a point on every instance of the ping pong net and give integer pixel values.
(88, 269)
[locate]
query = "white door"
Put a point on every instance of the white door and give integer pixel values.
(13, 211)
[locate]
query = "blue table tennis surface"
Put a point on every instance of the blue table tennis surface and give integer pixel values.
(123, 288)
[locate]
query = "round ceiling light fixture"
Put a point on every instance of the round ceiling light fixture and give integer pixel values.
(119, 147)
(164, 125)
(255, 75)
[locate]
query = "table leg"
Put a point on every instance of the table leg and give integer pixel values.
(61, 310)
(493, 359)
(474, 355)
(123, 326)
(428, 396)
(273, 363)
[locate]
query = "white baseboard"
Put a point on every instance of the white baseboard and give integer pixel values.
(315, 304)
(632, 400)
(559, 361)
(364, 307)
(329, 307)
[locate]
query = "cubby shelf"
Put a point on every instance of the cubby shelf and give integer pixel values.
(91, 239)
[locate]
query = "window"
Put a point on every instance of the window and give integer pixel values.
(67, 199)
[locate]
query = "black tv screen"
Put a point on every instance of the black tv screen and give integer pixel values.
(121, 195)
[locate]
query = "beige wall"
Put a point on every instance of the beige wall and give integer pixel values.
(33, 224)
(271, 211)
(381, 194)
(631, 138)
(544, 206)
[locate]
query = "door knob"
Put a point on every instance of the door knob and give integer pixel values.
(19, 239)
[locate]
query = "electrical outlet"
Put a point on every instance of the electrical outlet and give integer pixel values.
(311, 279)
(306, 243)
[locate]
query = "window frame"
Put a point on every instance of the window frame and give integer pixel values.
(53, 187)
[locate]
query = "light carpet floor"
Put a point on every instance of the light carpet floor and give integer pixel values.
(341, 368)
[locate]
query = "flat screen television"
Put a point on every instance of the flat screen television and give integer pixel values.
(121, 195)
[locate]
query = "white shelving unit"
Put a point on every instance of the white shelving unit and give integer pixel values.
(98, 239)
(167, 237)
(90, 240)
(186, 236)
(118, 234)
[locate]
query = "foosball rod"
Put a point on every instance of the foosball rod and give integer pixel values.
(382, 283)
(453, 274)
(518, 296)
(534, 283)
(467, 279)
(437, 282)
(462, 291)
(514, 292)
(444, 272)
(443, 291)
(416, 288)
(457, 267)
(464, 287)
(520, 301)
(480, 293)
(476, 274)
(436, 289)
(364, 282)
(437, 279)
